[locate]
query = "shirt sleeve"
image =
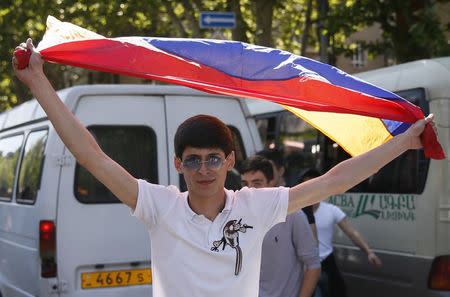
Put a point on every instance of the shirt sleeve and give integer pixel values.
(153, 202)
(268, 204)
(305, 244)
(338, 214)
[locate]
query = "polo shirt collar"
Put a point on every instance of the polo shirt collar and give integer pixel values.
(195, 217)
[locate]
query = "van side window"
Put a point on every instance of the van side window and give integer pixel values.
(31, 167)
(233, 180)
(306, 147)
(408, 172)
(133, 147)
(9, 155)
(267, 126)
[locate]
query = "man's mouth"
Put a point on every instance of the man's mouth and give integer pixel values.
(205, 182)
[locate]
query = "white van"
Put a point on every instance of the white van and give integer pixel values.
(404, 210)
(62, 233)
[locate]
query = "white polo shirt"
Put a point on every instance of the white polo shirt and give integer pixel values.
(192, 256)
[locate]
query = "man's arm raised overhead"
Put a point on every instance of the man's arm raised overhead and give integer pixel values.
(351, 172)
(74, 135)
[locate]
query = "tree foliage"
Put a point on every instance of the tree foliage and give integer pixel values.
(411, 29)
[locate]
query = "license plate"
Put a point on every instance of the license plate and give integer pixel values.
(116, 278)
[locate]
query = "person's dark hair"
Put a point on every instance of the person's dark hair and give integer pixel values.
(233, 180)
(274, 155)
(258, 163)
(308, 174)
(203, 131)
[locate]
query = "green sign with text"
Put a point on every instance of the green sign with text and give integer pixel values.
(389, 207)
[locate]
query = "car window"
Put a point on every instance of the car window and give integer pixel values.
(305, 147)
(9, 155)
(31, 167)
(133, 147)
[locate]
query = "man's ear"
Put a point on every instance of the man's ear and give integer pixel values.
(231, 161)
(281, 170)
(178, 165)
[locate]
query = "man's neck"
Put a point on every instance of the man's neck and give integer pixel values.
(210, 207)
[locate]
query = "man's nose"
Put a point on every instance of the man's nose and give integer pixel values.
(203, 168)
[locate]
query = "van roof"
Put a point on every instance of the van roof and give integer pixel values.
(31, 110)
(432, 74)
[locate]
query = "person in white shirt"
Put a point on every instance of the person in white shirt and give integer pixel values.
(206, 241)
(327, 216)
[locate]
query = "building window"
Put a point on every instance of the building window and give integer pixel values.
(359, 58)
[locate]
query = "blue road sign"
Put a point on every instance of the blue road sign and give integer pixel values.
(214, 19)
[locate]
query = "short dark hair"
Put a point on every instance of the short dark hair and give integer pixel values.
(309, 174)
(274, 155)
(258, 163)
(203, 131)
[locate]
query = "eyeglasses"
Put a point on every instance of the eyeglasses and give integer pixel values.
(194, 163)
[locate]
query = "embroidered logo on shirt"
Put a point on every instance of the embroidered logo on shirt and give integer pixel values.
(231, 237)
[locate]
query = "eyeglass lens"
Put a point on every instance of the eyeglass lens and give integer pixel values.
(194, 162)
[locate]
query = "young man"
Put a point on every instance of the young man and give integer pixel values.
(327, 216)
(276, 157)
(206, 241)
(290, 263)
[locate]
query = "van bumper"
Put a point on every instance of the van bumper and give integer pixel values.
(401, 274)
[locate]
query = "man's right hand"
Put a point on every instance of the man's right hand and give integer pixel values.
(29, 74)
(374, 260)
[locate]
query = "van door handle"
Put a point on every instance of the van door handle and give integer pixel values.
(64, 160)
(444, 213)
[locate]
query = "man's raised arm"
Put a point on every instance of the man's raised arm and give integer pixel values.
(351, 172)
(74, 135)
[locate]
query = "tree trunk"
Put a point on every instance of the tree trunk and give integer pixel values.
(189, 13)
(406, 48)
(240, 32)
(322, 35)
(306, 28)
(175, 20)
(264, 14)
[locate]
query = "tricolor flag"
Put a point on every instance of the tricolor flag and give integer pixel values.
(357, 115)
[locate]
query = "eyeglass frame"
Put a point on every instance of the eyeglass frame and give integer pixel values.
(200, 163)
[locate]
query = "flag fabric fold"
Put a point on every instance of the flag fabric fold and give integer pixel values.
(357, 115)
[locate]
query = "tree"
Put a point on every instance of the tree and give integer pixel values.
(411, 29)
(264, 16)
(22, 19)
